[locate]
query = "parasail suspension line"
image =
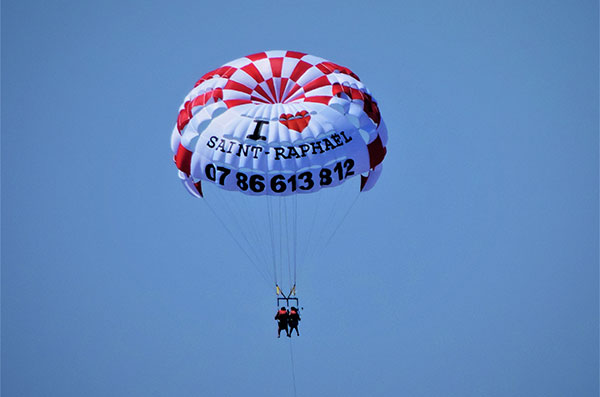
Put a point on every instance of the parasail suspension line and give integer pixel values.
(237, 242)
(273, 256)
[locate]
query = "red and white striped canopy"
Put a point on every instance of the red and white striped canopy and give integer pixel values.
(278, 123)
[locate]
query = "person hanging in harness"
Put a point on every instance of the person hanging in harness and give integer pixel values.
(293, 319)
(282, 317)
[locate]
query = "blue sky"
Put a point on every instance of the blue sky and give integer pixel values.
(471, 269)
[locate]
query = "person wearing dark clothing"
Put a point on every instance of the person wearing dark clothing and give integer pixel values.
(293, 319)
(282, 317)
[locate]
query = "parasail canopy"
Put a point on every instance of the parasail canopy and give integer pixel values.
(255, 136)
(278, 123)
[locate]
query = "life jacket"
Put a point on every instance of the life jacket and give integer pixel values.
(282, 312)
(293, 312)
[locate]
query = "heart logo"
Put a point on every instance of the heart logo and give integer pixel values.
(296, 122)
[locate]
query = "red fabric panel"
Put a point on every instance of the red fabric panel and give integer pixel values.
(198, 186)
(184, 116)
(299, 70)
(234, 85)
(257, 56)
(276, 65)
(337, 89)
(262, 92)
(317, 83)
(294, 54)
(323, 68)
(370, 107)
(183, 159)
(272, 89)
(376, 152)
(282, 86)
(253, 72)
(356, 94)
(319, 99)
(236, 102)
(255, 98)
